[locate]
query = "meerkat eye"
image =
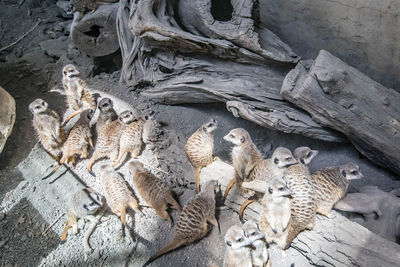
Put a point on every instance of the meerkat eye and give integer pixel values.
(308, 154)
(231, 136)
(276, 161)
(253, 233)
(239, 240)
(288, 158)
(280, 188)
(37, 107)
(210, 125)
(354, 172)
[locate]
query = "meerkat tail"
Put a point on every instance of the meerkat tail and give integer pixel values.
(85, 240)
(65, 232)
(291, 236)
(171, 200)
(123, 220)
(244, 206)
(134, 205)
(197, 174)
(228, 188)
(215, 222)
(71, 116)
(174, 244)
(121, 155)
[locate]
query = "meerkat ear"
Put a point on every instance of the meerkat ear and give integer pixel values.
(302, 161)
(344, 173)
(276, 160)
(270, 190)
(204, 129)
(242, 139)
(229, 243)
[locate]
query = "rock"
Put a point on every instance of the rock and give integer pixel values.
(2, 243)
(2, 216)
(7, 116)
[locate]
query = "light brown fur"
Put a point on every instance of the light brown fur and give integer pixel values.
(78, 94)
(154, 191)
(193, 221)
(199, 148)
(331, 185)
(303, 201)
(47, 125)
(276, 213)
(117, 193)
(107, 114)
(79, 138)
(245, 156)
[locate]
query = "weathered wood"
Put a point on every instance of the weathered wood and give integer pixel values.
(341, 97)
(332, 242)
(190, 57)
(96, 33)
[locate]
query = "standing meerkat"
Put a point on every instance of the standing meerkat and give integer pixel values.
(107, 114)
(257, 238)
(199, 148)
(270, 168)
(107, 143)
(154, 191)
(85, 203)
(303, 201)
(193, 221)
(237, 253)
(331, 184)
(47, 125)
(79, 97)
(245, 156)
(117, 193)
(276, 212)
(79, 138)
(148, 117)
(131, 135)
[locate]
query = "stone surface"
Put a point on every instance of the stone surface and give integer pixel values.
(7, 116)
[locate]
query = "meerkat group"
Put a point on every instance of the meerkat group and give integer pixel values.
(291, 196)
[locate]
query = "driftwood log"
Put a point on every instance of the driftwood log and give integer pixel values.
(180, 52)
(332, 242)
(341, 97)
(7, 116)
(96, 33)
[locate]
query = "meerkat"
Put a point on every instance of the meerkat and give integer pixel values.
(47, 125)
(107, 143)
(257, 238)
(276, 212)
(79, 138)
(237, 253)
(79, 97)
(245, 156)
(199, 148)
(79, 7)
(148, 117)
(192, 222)
(270, 168)
(154, 191)
(85, 203)
(330, 185)
(107, 114)
(303, 201)
(117, 193)
(131, 135)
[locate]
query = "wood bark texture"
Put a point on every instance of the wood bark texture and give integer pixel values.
(176, 52)
(332, 242)
(341, 97)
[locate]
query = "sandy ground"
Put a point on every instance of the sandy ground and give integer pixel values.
(31, 210)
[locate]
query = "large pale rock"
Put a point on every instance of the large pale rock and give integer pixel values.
(7, 116)
(332, 242)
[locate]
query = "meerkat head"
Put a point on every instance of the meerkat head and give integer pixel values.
(277, 188)
(235, 238)
(351, 171)
(105, 105)
(93, 202)
(148, 115)
(69, 9)
(127, 117)
(134, 166)
(210, 126)
(283, 157)
(238, 137)
(304, 154)
(38, 106)
(69, 71)
(86, 115)
(252, 230)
